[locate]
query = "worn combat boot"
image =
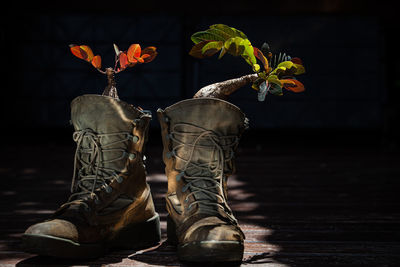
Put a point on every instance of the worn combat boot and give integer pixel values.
(110, 205)
(199, 137)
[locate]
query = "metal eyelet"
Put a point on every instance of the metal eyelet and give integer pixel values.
(135, 139)
(132, 156)
(179, 176)
(108, 189)
(184, 188)
(97, 201)
(120, 179)
(170, 154)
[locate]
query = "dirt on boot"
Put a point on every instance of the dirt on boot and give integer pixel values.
(110, 204)
(200, 137)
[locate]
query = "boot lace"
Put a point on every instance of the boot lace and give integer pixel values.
(206, 176)
(90, 171)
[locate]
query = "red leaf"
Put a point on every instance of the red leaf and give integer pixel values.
(134, 52)
(258, 54)
(196, 49)
(96, 62)
(297, 60)
(148, 54)
(292, 85)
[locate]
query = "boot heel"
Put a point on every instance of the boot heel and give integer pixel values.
(137, 236)
(171, 231)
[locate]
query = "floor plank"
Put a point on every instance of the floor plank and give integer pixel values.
(321, 206)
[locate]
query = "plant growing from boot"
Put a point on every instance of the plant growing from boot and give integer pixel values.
(123, 60)
(278, 71)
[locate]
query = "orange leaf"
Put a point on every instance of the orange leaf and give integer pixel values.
(88, 52)
(96, 62)
(148, 54)
(292, 85)
(123, 60)
(82, 51)
(258, 54)
(78, 52)
(134, 52)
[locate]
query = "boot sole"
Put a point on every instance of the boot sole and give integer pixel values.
(211, 251)
(137, 236)
(205, 251)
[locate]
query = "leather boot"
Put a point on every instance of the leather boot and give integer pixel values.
(110, 205)
(199, 137)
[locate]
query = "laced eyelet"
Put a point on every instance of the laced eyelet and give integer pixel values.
(120, 179)
(108, 189)
(170, 154)
(179, 176)
(135, 139)
(184, 188)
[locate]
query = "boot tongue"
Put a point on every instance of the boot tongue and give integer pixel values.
(102, 125)
(102, 114)
(204, 132)
(190, 118)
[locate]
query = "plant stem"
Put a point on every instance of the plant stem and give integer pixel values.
(223, 89)
(111, 89)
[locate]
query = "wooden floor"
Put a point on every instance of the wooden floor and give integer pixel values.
(298, 206)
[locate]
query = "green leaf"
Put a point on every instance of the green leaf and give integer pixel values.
(273, 79)
(220, 33)
(299, 69)
(248, 55)
(223, 51)
(256, 84)
(206, 36)
(286, 64)
(256, 67)
(211, 48)
(275, 89)
(232, 32)
(234, 46)
(286, 68)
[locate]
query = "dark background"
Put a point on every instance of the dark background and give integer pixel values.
(347, 47)
(317, 171)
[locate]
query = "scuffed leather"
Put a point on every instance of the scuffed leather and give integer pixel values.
(222, 118)
(129, 202)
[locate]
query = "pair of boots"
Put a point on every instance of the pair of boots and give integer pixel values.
(111, 204)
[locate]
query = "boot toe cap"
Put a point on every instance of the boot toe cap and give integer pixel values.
(212, 240)
(213, 229)
(55, 228)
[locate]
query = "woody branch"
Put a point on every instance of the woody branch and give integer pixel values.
(223, 89)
